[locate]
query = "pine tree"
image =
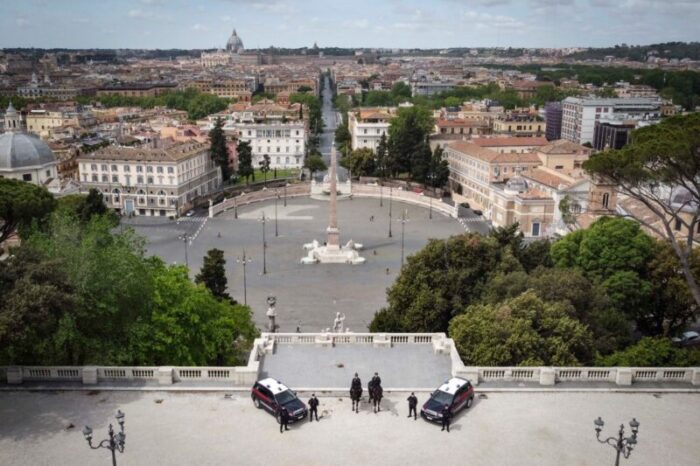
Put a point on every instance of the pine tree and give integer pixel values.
(245, 160)
(219, 150)
(213, 274)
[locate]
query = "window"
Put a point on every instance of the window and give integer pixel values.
(678, 224)
(606, 199)
(93, 167)
(94, 178)
(559, 167)
(104, 168)
(150, 180)
(139, 169)
(48, 172)
(535, 229)
(27, 177)
(149, 169)
(114, 168)
(139, 179)
(127, 168)
(159, 169)
(105, 178)
(171, 170)
(115, 178)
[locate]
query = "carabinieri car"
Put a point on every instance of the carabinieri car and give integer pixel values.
(457, 393)
(272, 395)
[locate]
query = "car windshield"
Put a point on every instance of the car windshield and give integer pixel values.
(442, 397)
(285, 397)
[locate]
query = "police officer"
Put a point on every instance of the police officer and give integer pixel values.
(376, 380)
(284, 419)
(356, 382)
(412, 403)
(313, 405)
(446, 416)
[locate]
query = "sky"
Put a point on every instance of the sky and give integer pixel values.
(192, 24)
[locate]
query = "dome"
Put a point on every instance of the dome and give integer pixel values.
(19, 150)
(516, 185)
(234, 44)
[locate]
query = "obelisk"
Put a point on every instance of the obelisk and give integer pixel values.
(333, 233)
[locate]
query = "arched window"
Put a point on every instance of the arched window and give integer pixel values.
(161, 197)
(606, 199)
(116, 193)
(141, 196)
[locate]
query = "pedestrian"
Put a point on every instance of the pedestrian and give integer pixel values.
(371, 218)
(387, 270)
(446, 416)
(284, 419)
(313, 405)
(412, 404)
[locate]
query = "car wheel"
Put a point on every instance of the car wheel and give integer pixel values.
(256, 402)
(469, 402)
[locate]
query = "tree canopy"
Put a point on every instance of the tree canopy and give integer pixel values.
(21, 204)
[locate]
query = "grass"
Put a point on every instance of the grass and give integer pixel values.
(281, 173)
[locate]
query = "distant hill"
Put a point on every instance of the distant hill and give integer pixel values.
(668, 50)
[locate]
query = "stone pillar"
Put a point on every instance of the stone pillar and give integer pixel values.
(165, 376)
(624, 376)
(89, 375)
(695, 380)
(471, 374)
(547, 376)
(14, 375)
(332, 232)
(211, 208)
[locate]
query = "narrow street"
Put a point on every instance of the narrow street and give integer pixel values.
(331, 120)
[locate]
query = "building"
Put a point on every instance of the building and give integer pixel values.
(368, 125)
(430, 88)
(137, 89)
(579, 114)
(234, 54)
(161, 181)
(463, 127)
(612, 135)
(43, 122)
(284, 142)
(519, 125)
(23, 156)
(553, 116)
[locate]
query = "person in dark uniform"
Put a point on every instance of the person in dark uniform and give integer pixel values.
(412, 404)
(313, 407)
(356, 382)
(446, 417)
(376, 380)
(284, 419)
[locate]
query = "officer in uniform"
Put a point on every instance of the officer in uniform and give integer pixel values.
(356, 382)
(412, 403)
(284, 419)
(446, 416)
(376, 380)
(313, 405)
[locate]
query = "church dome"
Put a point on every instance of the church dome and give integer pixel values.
(19, 150)
(234, 44)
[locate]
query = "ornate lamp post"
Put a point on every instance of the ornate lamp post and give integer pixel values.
(264, 244)
(244, 260)
(115, 442)
(186, 240)
(403, 221)
(277, 196)
(622, 445)
(271, 313)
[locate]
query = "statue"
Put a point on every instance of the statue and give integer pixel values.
(271, 313)
(338, 323)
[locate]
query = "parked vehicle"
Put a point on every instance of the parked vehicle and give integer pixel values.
(465, 205)
(457, 393)
(687, 339)
(477, 212)
(272, 395)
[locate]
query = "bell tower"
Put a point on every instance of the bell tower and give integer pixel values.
(12, 119)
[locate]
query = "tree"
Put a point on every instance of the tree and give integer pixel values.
(314, 163)
(213, 275)
(382, 156)
(22, 203)
(361, 162)
(407, 134)
(245, 160)
(303, 89)
(651, 352)
(523, 331)
(662, 162)
(400, 91)
(439, 168)
(219, 149)
(265, 166)
(343, 139)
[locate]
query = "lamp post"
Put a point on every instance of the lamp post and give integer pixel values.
(115, 442)
(403, 225)
(243, 260)
(381, 197)
(285, 193)
(186, 240)
(390, 194)
(264, 244)
(622, 445)
(235, 207)
(277, 196)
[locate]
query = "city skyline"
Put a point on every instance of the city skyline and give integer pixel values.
(165, 24)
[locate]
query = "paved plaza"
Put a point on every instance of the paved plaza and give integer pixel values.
(209, 429)
(307, 295)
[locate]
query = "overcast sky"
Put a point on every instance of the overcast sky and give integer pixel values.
(345, 23)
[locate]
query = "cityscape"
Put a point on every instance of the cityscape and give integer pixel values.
(274, 232)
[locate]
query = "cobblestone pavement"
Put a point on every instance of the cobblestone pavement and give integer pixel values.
(208, 429)
(307, 295)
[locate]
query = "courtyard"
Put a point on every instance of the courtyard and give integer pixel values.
(44, 428)
(308, 296)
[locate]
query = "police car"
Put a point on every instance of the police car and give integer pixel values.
(272, 395)
(457, 393)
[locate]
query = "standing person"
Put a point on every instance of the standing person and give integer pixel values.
(412, 404)
(446, 416)
(284, 419)
(313, 405)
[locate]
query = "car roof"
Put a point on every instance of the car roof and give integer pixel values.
(275, 386)
(451, 386)
(690, 334)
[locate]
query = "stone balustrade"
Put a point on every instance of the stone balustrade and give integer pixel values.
(245, 376)
(293, 190)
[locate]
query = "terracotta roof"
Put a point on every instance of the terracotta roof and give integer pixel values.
(491, 156)
(510, 141)
(171, 154)
(534, 193)
(460, 122)
(563, 146)
(553, 180)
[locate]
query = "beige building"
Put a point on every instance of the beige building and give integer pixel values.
(161, 181)
(506, 125)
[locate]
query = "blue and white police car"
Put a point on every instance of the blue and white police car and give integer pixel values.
(457, 393)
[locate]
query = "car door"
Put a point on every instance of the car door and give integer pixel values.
(266, 398)
(461, 397)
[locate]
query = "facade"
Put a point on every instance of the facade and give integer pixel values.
(43, 122)
(367, 125)
(579, 114)
(460, 126)
(430, 88)
(609, 135)
(23, 156)
(553, 116)
(137, 89)
(513, 125)
(150, 181)
(284, 142)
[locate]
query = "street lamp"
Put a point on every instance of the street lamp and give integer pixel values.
(235, 207)
(277, 196)
(243, 260)
(390, 194)
(403, 225)
(264, 243)
(622, 445)
(115, 442)
(186, 240)
(285, 193)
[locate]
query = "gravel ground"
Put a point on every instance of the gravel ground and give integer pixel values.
(504, 429)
